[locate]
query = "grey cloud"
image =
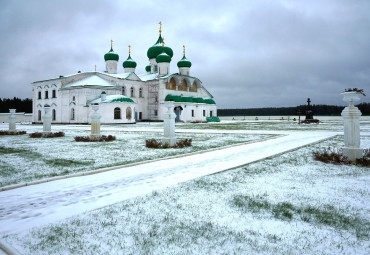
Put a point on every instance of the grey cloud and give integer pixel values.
(247, 53)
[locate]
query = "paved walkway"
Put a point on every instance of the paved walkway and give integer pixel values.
(31, 206)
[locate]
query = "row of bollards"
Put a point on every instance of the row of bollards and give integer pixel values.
(169, 123)
(350, 114)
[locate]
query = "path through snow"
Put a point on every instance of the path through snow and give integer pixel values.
(35, 205)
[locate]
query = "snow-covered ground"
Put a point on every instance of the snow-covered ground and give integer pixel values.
(216, 212)
(24, 159)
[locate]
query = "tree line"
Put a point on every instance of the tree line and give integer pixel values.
(320, 109)
(21, 105)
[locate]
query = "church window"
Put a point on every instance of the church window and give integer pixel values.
(73, 98)
(210, 113)
(204, 113)
(194, 87)
(155, 68)
(72, 114)
(155, 112)
(192, 113)
(53, 114)
(117, 113)
(141, 92)
(156, 99)
(54, 93)
(39, 94)
(124, 91)
(128, 113)
(132, 92)
(39, 115)
(46, 94)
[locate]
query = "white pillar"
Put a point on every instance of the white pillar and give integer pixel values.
(47, 120)
(12, 120)
(95, 122)
(169, 124)
(351, 116)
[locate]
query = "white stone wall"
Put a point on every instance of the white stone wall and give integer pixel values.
(21, 117)
(107, 112)
(53, 99)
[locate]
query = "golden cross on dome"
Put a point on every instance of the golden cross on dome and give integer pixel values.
(111, 44)
(129, 49)
(183, 50)
(162, 41)
(160, 27)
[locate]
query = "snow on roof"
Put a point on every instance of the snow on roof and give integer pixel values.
(148, 77)
(119, 75)
(111, 99)
(90, 81)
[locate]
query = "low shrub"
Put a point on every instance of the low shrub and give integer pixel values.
(48, 135)
(102, 138)
(334, 156)
(2, 132)
(157, 144)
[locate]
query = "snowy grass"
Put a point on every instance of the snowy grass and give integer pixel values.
(326, 124)
(25, 159)
(289, 204)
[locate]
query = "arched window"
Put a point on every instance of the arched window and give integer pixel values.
(117, 113)
(132, 92)
(72, 114)
(124, 90)
(39, 115)
(46, 94)
(73, 98)
(141, 92)
(39, 94)
(183, 86)
(171, 85)
(128, 113)
(194, 87)
(53, 115)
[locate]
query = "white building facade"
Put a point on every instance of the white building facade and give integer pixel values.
(126, 97)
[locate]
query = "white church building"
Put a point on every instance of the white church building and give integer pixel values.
(126, 97)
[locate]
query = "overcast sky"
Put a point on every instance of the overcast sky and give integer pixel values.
(249, 53)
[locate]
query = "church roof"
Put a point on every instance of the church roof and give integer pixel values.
(185, 99)
(111, 99)
(91, 81)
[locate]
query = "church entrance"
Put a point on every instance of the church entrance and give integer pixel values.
(178, 110)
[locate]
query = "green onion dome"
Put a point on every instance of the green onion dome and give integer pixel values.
(184, 62)
(111, 55)
(129, 63)
(157, 49)
(148, 68)
(163, 57)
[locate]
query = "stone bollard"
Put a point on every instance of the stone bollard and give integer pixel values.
(169, 124)
(46, 120)
(351, 116)
(95, 122)
(12, 120)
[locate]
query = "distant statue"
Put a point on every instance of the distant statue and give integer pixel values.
(309, 114)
